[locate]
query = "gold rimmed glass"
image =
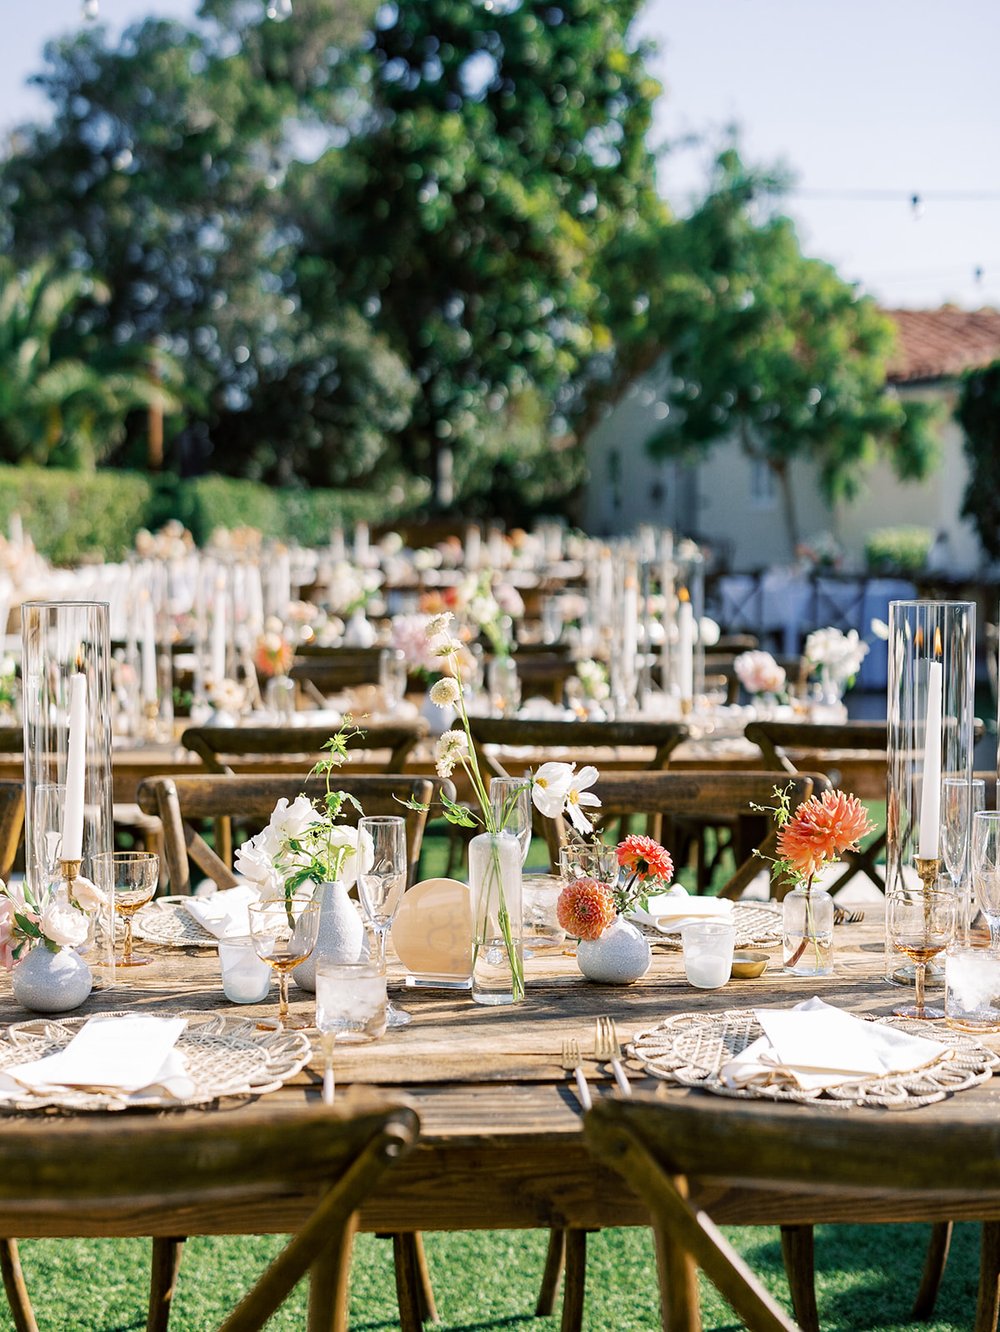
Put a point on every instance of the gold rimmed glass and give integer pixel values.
(921, 925)
(132, 877)
(284, 934)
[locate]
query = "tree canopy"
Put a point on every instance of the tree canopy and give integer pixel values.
(978, 413)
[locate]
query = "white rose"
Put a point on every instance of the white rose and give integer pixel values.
(63, 924)
(87, 895)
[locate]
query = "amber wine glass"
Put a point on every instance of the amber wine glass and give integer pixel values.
(284, 934)
(921, 925)
(132, 876)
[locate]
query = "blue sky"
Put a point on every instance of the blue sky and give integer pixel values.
(856, 97)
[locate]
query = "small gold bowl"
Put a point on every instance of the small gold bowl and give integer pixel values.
(748, 966)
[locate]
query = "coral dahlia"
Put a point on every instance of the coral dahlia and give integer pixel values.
(585, 909)
(644, 858)
(821, 829)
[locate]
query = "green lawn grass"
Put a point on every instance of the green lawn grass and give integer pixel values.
(866, 1277)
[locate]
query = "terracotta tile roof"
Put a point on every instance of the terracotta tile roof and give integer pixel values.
(941, 344)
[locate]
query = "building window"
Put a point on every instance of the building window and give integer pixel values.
(763, 485)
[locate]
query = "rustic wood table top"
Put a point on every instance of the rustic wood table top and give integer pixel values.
(501, 1142)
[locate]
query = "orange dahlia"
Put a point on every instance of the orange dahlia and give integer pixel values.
(644, 858)
(585, 909)
(274, 655)
(821, 829)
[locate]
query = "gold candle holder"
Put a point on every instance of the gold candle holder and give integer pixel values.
(687, 707)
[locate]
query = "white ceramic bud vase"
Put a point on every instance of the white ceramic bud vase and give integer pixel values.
(51, 982)
(341, 936)
(620, 956)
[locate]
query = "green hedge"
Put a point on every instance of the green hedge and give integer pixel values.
(73, 516)
(898, 549)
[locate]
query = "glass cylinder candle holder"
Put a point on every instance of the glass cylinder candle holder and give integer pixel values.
(66, 670)
(930, 738)
(682, 660)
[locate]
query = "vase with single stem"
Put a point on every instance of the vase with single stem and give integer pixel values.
(807, 930)
(498, 937)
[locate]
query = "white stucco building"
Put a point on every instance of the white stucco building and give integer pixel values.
(733, 503)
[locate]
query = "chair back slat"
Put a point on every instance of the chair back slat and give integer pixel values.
(213, 744)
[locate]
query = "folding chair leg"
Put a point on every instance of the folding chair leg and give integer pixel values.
(678, 1278)
(14, 1286)
(934, 1265)
(555, 1259)
(164, 1270)
(989, 1277)
(407, 1284)
(328, 1283)
(574, 1286)
(797, 1252)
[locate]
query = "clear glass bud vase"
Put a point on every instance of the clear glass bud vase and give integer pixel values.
(497, 946)
(807, 932)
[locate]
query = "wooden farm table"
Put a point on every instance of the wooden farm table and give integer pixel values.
(501, 1142)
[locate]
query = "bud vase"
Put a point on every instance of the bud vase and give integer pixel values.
(340, 936)
(807, 932)
(51, 982)
(497, 944)
(620, 956)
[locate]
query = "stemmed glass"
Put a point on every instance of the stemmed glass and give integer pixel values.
(961, 797)
(49, 799)
(509, 797)
(986, 869)
(284, 934)
(132, 876)
(381, 888)
(921, 925)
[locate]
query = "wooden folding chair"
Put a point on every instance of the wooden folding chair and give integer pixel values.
(566, 738)
(181, 801)
(331, 1158)
(11, 824)
(662, 1148)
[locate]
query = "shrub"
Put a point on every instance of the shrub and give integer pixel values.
(76, 515)
(898, 549)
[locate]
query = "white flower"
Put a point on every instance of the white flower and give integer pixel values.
(578, 795)
(550, 786)
(839, 653)
(291, 820)
(63, 924)
(87, 895)
(880, 629)
(438, 624)
(339, 838)
(759, 673)
(254, 863)
(444, 692)
(451, 747)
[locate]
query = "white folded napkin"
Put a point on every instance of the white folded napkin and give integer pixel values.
(131, 1053)
(813, 1046)
(669, 912)
(225, 914)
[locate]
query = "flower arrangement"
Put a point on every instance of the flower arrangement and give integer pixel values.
(759, 673)
(273, 654)
(304, 841)
(51, 918)
(484, 609)
(587, 907)
(812, 837)
(836, 654)
(556, 788)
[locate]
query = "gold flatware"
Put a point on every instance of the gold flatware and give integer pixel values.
(607, 1049)
(572, 1061)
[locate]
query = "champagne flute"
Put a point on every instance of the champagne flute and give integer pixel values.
(284, 934)
(48, 803)
(921, 925)
(961, 797)
(381, 885)
(132, 876)
(509, 797)
(986, 869)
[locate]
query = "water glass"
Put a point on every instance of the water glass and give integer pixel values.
(350, 1000)
(588, 860)
(504, 687)
(539, 895)
(246, 978)
(972, 989)
(381, 888)
(985, 864)
(708, 952)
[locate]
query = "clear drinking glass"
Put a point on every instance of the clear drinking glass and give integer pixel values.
(509, 797)
(504, 686)
(921, 924)
(961, 797)
(986, 869)
(284, 934)
(351, 1005)
(381, 888)
(392, 672)
(132, 876)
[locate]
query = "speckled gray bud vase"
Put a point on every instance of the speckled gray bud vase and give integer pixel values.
(620, 956)
(47, 982)
(341, 936)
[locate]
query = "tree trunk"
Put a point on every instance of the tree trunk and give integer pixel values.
(781, 471)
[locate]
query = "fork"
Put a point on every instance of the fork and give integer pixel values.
(572, 1061)
(607, 1048)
